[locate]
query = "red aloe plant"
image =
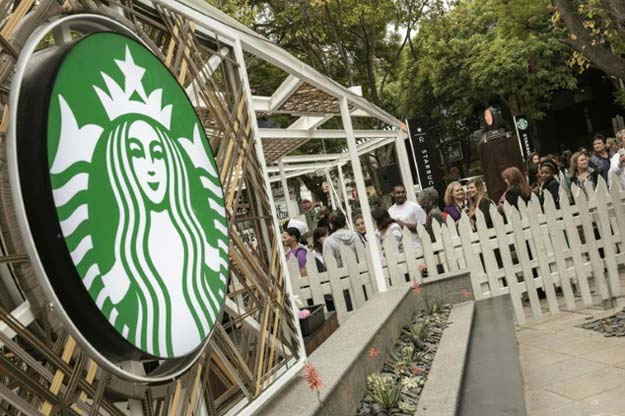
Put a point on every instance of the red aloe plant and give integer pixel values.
(416, 287)
(313, 379)
(374, 352)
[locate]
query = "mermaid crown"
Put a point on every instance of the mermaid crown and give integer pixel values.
(121, 101)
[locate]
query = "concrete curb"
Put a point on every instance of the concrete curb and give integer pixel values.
(441, 394)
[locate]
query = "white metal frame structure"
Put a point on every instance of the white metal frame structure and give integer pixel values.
(216, 23)
(213, 22)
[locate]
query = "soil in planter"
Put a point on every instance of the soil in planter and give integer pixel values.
(612, 326)
(395, 390)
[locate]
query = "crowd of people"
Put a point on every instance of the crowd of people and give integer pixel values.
(542, 175)
(584, 167)
(332, 229)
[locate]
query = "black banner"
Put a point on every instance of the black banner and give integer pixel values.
(522, 127)
(424, 160)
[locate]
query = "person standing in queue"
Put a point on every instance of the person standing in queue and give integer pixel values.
(339, 234)
(406, 213)
(455, 201)
(361, 229)
(548, 182)
(600, 158)
(291, 238)
(319, 236)
(479, 201)
(581, 172)
(517, 187)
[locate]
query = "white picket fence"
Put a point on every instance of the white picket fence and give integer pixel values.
(568, 253)
(352, 284)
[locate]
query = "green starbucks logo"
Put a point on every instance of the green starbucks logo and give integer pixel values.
(137, 195)
(522, 123)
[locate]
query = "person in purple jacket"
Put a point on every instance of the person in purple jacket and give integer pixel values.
(291, 238)
(455, 201)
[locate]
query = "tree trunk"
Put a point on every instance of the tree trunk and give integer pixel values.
(314, 185)
(373, 175)
(339, 44)
(369, 49)
(581, 40)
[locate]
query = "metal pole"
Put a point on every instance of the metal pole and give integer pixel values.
(404, 166)
(348, 209)
(285, 187)
(372, 243)
(414, 158)
(518, 135)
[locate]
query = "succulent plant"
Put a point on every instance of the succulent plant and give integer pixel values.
(417, 330)
(409, 383)
(388, 396)
(407, 407)
(410, 354)
(395, 390)
(407, 351)
(384, 390)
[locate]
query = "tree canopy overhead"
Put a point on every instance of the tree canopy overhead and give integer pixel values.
(356, 42)
(443, 60)
(486, 51)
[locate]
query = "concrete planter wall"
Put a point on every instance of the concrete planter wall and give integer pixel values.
(343, 362)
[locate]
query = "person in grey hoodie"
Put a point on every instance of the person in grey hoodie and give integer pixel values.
(340, 234)
(428, 199)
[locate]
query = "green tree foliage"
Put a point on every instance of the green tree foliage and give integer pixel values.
(480, 53)
(356, 42)
(486, 51)
(437, 59)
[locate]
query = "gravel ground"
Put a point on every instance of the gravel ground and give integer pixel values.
(395, 390)
(612, 326)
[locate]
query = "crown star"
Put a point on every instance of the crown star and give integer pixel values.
(117, 101)
(133, 75)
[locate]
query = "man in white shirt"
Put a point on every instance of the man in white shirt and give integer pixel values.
(406, 213)
(617, 166)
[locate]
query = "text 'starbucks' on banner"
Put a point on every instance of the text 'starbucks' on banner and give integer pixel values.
(424, 161)
(522, 127)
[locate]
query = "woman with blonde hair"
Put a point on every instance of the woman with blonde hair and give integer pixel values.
(479, 200)
(581, 172)
(455, 200)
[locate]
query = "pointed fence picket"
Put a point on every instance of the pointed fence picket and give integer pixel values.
(568, 253)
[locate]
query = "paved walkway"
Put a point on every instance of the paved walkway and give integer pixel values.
(571, 371)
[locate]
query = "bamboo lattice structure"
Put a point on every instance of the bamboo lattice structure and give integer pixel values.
(42, 369)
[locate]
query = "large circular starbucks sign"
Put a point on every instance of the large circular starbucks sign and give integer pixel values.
(122, 197)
